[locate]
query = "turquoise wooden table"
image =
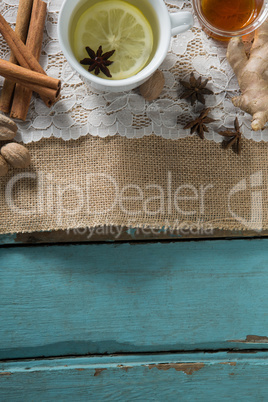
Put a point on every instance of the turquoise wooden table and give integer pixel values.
(143, 318)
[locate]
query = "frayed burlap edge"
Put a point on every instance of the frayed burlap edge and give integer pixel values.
(212, 186)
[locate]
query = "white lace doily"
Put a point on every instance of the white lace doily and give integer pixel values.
(82, 110)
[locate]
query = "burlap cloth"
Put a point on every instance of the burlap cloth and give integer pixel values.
(148, 182)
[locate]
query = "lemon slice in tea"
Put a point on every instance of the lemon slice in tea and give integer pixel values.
(115, 24)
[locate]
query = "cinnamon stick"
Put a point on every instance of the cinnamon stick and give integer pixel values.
(19, 49)
(41, 83)
(22, 95)
(22, 23)
(21, 52)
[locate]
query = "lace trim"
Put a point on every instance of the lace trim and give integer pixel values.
(84, 110)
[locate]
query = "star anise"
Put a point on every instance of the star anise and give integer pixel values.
(199, 125)
(195, 89)
(97, 61)
(233, 138)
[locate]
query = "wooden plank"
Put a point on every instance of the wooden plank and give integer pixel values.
(113, 233)
(197, 377)
(111, 298)
(8, 239)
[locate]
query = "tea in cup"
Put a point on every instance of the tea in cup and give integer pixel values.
(223, 19)
(116, 45)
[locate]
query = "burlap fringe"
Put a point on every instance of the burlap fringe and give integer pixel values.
(144, 183)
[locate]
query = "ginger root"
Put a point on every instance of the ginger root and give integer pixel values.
(252, 75)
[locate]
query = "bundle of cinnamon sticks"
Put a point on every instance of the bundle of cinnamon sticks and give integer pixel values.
(23, 73)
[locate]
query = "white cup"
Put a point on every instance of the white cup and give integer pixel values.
(169, 24)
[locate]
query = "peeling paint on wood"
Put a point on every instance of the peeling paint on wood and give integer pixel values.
(98, 371)
(125, 368)
(187, 368)
(251, 339)
(49, 379)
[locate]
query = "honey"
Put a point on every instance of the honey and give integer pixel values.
(231, 15)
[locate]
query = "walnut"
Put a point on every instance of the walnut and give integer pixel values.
(3, 167)
(152, 88)
(8, 128)
(16, 155)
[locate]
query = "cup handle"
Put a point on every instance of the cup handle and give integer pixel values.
(181, 22)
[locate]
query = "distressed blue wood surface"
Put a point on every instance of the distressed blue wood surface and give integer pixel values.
(62, 300)
(115, 234)
(181, 377)
(8, 239)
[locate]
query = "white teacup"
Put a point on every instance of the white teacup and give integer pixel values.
(169, 24)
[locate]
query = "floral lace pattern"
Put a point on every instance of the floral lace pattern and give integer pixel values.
(82, 110)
